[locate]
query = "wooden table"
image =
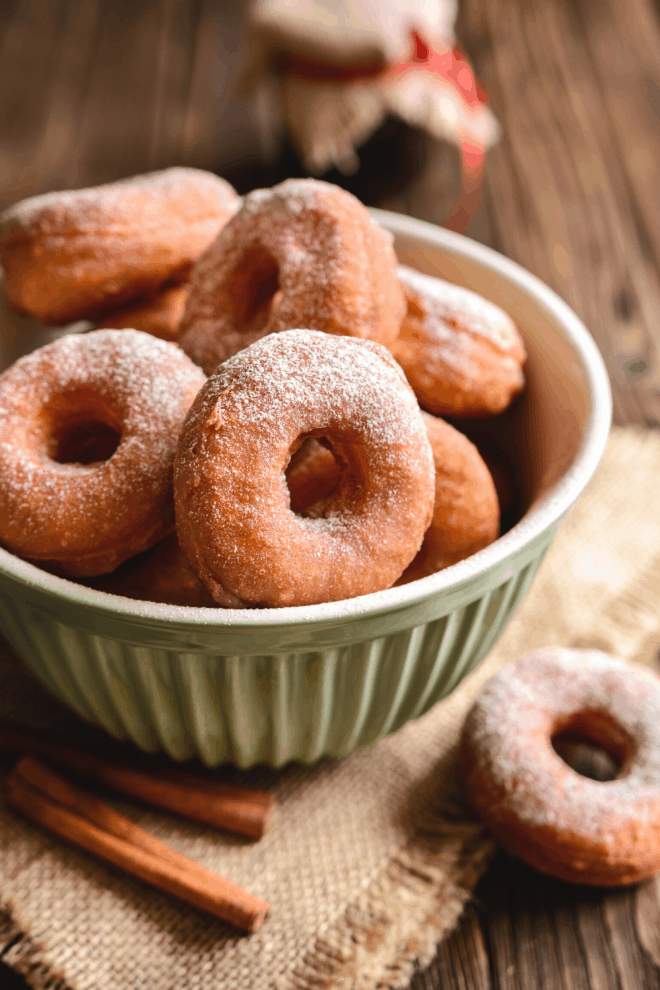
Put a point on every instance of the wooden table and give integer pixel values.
(96, 89)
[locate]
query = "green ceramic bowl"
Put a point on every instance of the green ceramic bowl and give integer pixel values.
(299, 683)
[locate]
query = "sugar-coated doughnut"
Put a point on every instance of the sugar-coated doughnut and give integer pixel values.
(303, 254)
(462, 355)
(564, 824)
(233, 512)
(466, 515)
(160, 574)
(73, 254)
(160, 316)
(89, 428)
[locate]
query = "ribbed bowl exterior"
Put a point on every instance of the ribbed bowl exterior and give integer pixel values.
(271, 707)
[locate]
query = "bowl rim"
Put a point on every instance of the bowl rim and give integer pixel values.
(547, 512)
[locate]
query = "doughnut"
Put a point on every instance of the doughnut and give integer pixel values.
(564, 824)
(462, 355)
(233, 512)
(159, 316)
(303, 254)
(161, 574)
(69, 255)
(466, 515)
(90, 425)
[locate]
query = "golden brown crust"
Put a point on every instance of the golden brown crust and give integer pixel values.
(462, 355)
(558, 821)
(161, 574)
(466, 515)
(89, 428)
(72, 254)
(159, 316)
(234, 519)
(303, 254)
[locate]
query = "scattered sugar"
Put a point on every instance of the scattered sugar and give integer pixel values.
(292, 197)
(295, 196)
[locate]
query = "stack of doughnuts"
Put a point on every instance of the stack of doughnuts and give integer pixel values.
(303, 469)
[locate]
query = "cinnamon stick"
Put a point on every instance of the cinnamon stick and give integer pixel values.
(86, 821)
(236, 809)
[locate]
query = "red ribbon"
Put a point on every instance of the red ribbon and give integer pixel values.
(453, 66)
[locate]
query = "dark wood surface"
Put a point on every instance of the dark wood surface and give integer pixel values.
(93, 90)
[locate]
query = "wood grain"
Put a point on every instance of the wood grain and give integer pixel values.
(623, 42)
(541, 933)
(116, 132)
(557, 191)
(28, 62)
(647, 917)
(462, 959)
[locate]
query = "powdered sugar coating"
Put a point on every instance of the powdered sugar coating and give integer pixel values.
(561, 822)
(88, 518)
(232, 502)
(304, 253)
(72, 254)
(463, 308)
(461, 353)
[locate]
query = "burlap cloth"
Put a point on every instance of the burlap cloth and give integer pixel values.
(369, 859)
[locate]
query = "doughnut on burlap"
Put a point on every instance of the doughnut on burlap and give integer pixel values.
(368, 860)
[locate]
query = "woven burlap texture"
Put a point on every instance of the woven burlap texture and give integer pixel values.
(369, 859)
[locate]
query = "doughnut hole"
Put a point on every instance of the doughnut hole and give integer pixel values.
(256, 289)
(593, 745)
(312, 473)
(80, 428)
